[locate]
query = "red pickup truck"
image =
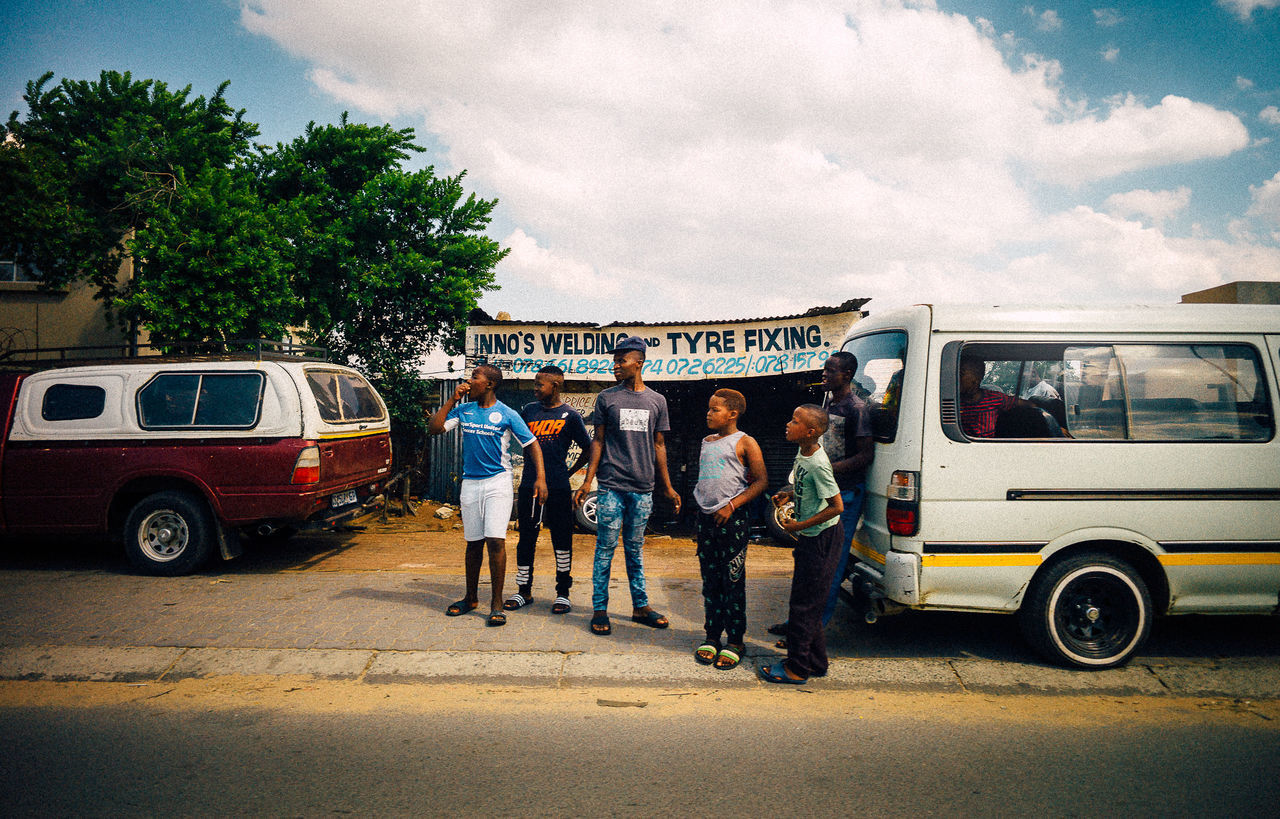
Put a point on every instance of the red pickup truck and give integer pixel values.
(181, 457)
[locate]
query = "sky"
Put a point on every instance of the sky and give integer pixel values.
(663, 161)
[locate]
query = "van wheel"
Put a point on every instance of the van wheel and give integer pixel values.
(777, 514)
(1091, 611)
(585, 513)
(169, 533)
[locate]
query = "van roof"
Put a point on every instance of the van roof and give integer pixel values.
(1015, 318)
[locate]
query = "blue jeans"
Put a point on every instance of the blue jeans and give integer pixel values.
(625, 514)
(853, 499)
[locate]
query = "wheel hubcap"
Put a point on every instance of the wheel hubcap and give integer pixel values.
(1098, 615)
(163, 535)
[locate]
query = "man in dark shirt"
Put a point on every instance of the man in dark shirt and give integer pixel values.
(556, 425)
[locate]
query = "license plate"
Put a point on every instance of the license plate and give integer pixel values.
(343, 498)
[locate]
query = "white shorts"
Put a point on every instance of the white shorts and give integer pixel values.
(486, 506)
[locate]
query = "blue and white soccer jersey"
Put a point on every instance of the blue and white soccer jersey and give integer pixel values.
(487, 491)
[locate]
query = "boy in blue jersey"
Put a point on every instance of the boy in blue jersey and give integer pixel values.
(487, 489)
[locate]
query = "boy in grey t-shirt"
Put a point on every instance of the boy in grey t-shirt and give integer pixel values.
(627, 454)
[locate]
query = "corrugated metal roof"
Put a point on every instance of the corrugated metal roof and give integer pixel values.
(480, 318)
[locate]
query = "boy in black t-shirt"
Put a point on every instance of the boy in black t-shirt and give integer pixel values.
(556, 426)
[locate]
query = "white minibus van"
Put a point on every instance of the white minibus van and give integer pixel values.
(1099, 467)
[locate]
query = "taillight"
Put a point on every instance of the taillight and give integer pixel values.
(307, 467)
(903, 511)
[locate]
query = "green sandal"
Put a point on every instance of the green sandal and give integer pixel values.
(707, 652)
(729, 657)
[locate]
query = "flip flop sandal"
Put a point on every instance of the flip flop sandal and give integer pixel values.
(651, 619)
(461, 607)
(516, 601)
(561, 606)
(777, 673)
(706, 653)
(496, 618)
(779, 629)
(781, 644)
(729, 657)
(600, 625)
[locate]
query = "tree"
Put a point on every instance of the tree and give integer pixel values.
(102, 170)
(387, 263)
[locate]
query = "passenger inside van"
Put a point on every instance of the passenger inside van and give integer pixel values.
(980, 407)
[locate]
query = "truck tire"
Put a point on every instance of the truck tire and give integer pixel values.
(169, 533)
(773, 521)
(1090, 611)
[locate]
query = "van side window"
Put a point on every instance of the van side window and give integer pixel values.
(72, 402)
(881, 358)
(343, 397)
(201, 400)
(1167, 392)
(1125, 392)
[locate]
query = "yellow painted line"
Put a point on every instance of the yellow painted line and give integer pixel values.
(978, 561)
(868, 553)
(333, 436)
(1221, 559)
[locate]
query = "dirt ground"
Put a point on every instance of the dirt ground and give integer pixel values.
(323, 696)
(426, 544)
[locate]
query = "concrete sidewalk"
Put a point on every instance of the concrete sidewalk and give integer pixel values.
(389, 627)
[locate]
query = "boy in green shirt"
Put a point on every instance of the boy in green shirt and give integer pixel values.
(820, 537)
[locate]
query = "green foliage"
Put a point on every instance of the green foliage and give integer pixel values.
(229, 240)
(91, 162)
(387, 263)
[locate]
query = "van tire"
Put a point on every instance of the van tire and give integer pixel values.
(1090, 611)
(169, 534)
(777, 514)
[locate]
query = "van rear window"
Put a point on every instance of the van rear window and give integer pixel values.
(878, 380)
(201, 401)
(1114, 392)
(344, 397)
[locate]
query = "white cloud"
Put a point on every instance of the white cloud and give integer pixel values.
(1266, 201)
(1110, 54)
(1047, 20)
(1244, 83)
(1270, 115)
(1244, 9)
(1107, 18)
(540, 267)
(699, 161)
(1132, 136)
(1157, 206)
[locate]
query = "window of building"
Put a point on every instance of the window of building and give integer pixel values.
(10, 271)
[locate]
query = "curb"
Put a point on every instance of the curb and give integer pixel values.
(1242, 679)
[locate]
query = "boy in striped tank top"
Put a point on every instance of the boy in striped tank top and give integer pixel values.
(731, 474)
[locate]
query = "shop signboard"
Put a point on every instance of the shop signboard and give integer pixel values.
(677, 352)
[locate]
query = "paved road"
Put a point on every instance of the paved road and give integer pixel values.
(197, 748)
(83, 615)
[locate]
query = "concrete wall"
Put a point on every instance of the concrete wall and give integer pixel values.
(62, 318)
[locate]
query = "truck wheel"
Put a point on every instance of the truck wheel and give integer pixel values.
(1092, 611)
(585, 513)
(169, 533)
(777, 514)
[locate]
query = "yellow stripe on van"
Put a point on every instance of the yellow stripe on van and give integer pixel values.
(1221, 559)
(978, 561)
(867, 553)
(334, 436)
